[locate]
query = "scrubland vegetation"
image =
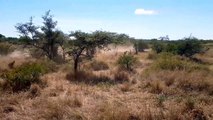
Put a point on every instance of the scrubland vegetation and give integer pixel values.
(49, 75)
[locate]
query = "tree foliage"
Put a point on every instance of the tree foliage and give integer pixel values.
(158, 46)
(44, 37)
(2, 37)
(186, 47)
(139, 46)
(88, 42)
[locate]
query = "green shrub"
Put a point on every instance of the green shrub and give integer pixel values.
(5, 48)
(139, 46)
(158, 46)
(169, 61)
(172, 48)
(99, 65)
(22, 77)
(189, 46)
(186, 47)
(127, 61)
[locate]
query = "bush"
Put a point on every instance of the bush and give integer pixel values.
(158, 46)
(168, 61)
(5, 48)
(186, 47)
(172, 48)
(99, 65)
(139, 46)
(22, 77)
(127, 61)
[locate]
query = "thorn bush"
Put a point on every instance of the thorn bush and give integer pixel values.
(22, 77)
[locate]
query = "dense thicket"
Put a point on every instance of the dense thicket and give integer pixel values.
(186, 47)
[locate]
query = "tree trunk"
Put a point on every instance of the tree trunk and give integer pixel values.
(75, 66)
(136, 51)
(52, 52)
(64, 55)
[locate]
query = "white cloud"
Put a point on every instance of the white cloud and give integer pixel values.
(144, 12)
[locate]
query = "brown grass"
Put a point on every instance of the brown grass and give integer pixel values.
(140, 95)
(121, 77)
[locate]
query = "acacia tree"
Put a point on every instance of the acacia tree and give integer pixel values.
(44, 37)
(84, 42)
(62, 41)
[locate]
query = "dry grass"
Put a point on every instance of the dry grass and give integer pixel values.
(121, 77)
(126, 87)
(98, 65)
(140, 95)
(18, 56)
(88, 78)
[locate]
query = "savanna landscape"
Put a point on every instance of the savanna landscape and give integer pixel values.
(47, 74)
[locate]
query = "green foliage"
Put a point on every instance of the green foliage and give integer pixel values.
(158, 46)
(172, 48)
(187, 47)
(120, 38)
(169, 61)
(2, 37)
(22, 77)
(127, 61)
(6, 48)
(83, 45)
(140, 45)
(46, 38)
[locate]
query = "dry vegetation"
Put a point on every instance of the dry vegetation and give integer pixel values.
(103, 91)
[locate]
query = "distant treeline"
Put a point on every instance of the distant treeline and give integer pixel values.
(9, 39)
(19, 39)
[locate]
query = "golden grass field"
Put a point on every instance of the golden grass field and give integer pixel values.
(155, 95)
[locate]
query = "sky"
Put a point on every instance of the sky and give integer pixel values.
(144, 19)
